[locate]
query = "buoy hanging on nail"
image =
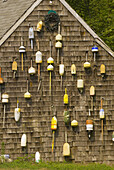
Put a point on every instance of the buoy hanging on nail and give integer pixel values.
(102, 70)
(73, 69)
(65, 97)
(5, 100)
(102, 116)
(58, 43)
(17, 112)
(38, 60)
(14, 68)
(31, 36)
(39, 26)
(53, 128)
(37, 157)
(74, 122)
(27, 95)
(95, 51)
(23, 140)
(50, 67)
(92, 94)
(22, 51)
(89, 125)
(80, 85)
(87, 64)
(31, 70)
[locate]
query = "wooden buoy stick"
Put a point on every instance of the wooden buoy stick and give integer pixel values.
(57, 55)
(102, 120)
(50, 84)
(61, 81)
(38, 72)
(102, 129)
(4, 116)
(53, 141)
(22, 60)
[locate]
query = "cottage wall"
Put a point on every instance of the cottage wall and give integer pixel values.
(37, 112)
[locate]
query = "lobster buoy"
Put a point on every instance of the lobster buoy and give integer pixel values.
(37, 157)
(94, 50)
(73, 69)
(58, 37)
(58, 44)
(27, 95)
(23, 140)
(50, 67)
(54, 123)
(61, 69)
(89, 125)
(66, 117)
(102, 70)
(92, 91)
(50, 60)
(39, 26)
(17, 114)
(65, 97)
(101, 114)
(31, 70)
(74, 123)
(38, 57)
(22, 49)
(87, 64)
(80, 84)
(5, 98)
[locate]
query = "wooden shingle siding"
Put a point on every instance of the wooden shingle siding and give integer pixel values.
(36, 113)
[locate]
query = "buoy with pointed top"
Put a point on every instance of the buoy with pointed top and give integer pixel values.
(73, 69)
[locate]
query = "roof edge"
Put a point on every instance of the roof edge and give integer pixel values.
(35, 4)
(86, 26)
(19, 21)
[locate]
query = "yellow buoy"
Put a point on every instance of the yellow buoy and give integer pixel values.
(65, 97)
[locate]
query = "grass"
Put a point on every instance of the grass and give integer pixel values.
(24, 163)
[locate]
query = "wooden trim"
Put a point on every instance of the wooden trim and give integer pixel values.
(14, 27)
(103, 45)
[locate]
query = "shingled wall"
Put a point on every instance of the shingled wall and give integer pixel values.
(36, 113)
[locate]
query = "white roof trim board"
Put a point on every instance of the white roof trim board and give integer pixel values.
(35, 4)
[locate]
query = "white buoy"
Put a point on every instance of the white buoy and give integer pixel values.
(23, 140)
(17, 112)
(37, 157)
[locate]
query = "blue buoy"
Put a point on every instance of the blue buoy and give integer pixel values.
(95, 49)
